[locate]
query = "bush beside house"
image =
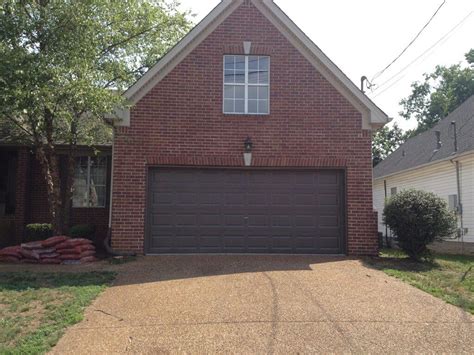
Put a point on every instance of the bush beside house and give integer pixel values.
(418, 218)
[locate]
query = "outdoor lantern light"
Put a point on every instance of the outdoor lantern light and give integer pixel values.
(248, 145)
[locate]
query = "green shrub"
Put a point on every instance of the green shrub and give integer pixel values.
(82, 231)
(38, 231)
(418, 218)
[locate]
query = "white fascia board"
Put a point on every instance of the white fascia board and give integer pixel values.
(374, 117)
(166, 64)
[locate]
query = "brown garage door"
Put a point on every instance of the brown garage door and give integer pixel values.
(245, 211)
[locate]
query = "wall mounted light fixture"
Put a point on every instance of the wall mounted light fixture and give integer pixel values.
(248, 146)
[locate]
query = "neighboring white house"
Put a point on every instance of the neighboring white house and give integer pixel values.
(440, 160)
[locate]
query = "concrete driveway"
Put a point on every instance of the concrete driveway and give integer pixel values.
(265, 304)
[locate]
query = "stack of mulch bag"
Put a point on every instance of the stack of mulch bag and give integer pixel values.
(54, 250)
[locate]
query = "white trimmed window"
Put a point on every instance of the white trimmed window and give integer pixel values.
(246, 84)
(90, 182)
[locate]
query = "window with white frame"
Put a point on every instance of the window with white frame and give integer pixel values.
(246, 84)
(90, 182)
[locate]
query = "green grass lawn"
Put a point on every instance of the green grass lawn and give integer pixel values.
(449, 277)
(36, 308)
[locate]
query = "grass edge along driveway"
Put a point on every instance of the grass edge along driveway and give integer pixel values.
(449, 277)
(36, 308)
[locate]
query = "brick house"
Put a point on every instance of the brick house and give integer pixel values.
(23, 194)
(245, 138)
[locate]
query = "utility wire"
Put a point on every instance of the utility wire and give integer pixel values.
(420, 56)
(409, 44)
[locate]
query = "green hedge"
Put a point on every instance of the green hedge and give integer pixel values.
(82, 231)
(38, 231)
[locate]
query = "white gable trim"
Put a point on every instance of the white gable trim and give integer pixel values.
(373, 117)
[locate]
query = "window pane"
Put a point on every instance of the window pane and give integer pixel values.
(79, 196)
(253, 92)
(228, 106)
(229, 76)
(263, 93)
(253, 77)
(97, 196)
(239, 106)
(228, 92)
(263, 78)
(229, 62)
(263, 63)
(253, 63)
(253, 106)
(240, 77)
(240, 92)
(262, 106)
(240, 62)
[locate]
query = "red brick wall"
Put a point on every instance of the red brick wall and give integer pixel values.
(180, 121)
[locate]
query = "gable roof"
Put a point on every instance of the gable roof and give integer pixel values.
(373, 116)
(421, 149)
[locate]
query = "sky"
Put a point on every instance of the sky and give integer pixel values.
(362, 37)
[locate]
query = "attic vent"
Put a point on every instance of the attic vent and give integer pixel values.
(247, 3)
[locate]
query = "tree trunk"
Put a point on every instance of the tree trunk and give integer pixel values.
(50, 169)
(69, 182)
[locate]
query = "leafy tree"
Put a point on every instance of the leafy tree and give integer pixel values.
(385, 141)
(418, 218)
(62, 66)
(439, 94)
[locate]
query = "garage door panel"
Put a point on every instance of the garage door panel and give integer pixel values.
(245, 211)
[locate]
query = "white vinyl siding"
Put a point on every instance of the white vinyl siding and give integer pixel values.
(439, 178)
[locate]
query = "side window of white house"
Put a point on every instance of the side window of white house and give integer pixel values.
(246, 84)
(453, 202)
(90, 182)
(393, 191)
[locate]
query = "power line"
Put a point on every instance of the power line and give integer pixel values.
(412, 41)
(442, 39)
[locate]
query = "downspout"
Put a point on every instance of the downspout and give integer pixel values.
(384, 203)
(459, 207)
(107, 240)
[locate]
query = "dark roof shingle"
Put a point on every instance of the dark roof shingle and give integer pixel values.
(421, 149)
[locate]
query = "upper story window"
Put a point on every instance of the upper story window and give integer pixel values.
(246, 84)
(90, 181)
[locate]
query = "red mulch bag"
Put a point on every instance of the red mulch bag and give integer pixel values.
(8, 259)
(44, 251)
(88, 259)
(86, 247)
(70, 256)
(87, 253)
(53, 241)
(80, 241)
(69, 251)
(50, 261)
(49, 255)
(29, 254)
(64, 245)
(11, 251)
(32, 245)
